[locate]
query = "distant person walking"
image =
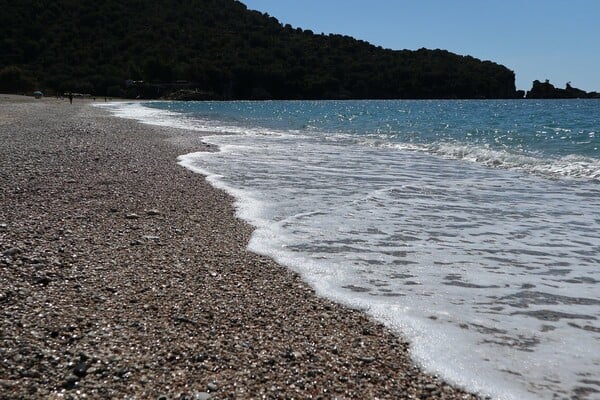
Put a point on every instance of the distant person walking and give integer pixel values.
(70, 97)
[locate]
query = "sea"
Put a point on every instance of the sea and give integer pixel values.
(471, 228)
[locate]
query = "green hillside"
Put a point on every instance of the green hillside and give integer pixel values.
(220, 48)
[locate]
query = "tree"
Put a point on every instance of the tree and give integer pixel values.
(14, 80)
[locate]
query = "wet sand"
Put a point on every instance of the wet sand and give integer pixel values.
(124, 275)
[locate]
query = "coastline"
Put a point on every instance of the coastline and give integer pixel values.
(124, 274)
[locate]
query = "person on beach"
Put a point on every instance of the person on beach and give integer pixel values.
(70, 97)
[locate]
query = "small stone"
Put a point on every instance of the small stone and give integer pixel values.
(136, 242)
(367, 359)
(162, 397)
(430, 387)
(80, 369)
(293, 355)
(212, 387)
(201, 396)
(70, 382)
(153, 211)
(3, 227)
(6, 383)
(41, 280)
(155, 238)
(13, 251)
(132, 216)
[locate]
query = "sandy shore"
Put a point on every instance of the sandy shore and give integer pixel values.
(124, 275)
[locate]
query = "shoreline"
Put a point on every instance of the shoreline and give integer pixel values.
(124, 274)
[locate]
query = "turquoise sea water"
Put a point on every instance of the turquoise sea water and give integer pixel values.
(470, 227)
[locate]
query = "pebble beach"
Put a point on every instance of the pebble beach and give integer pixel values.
(126, 276)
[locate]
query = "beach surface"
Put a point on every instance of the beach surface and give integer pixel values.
(125, 275)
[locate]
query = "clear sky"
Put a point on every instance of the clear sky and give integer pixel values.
(557, 40)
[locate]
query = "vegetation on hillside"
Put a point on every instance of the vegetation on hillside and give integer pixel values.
(220, 48)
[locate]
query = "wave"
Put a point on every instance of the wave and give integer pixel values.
(570, 166)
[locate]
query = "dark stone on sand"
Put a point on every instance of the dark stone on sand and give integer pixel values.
(367, 359)
(41, 280)
(32, 389)
(13, 251)
(80, 369)
(70, 382)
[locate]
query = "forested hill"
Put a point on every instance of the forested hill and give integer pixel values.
(220, 48)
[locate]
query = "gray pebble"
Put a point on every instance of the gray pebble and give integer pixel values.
(70, 382)
(212, 387)
(13, 251)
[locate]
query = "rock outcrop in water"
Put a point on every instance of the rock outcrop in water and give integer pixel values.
(228, 51)
(546, 90)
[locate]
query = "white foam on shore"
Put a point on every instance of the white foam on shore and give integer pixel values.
(289, 190)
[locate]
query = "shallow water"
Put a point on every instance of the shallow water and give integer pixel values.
(471, 227)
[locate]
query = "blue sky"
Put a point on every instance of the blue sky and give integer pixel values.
(557, 40)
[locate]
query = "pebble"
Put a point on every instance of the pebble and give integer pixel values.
(212, 387)
(202, 396)
(132, 216)
(367, 359)
(80, 369)
(152, 211)
(13, 251)
(7, 384)
(70, 382)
